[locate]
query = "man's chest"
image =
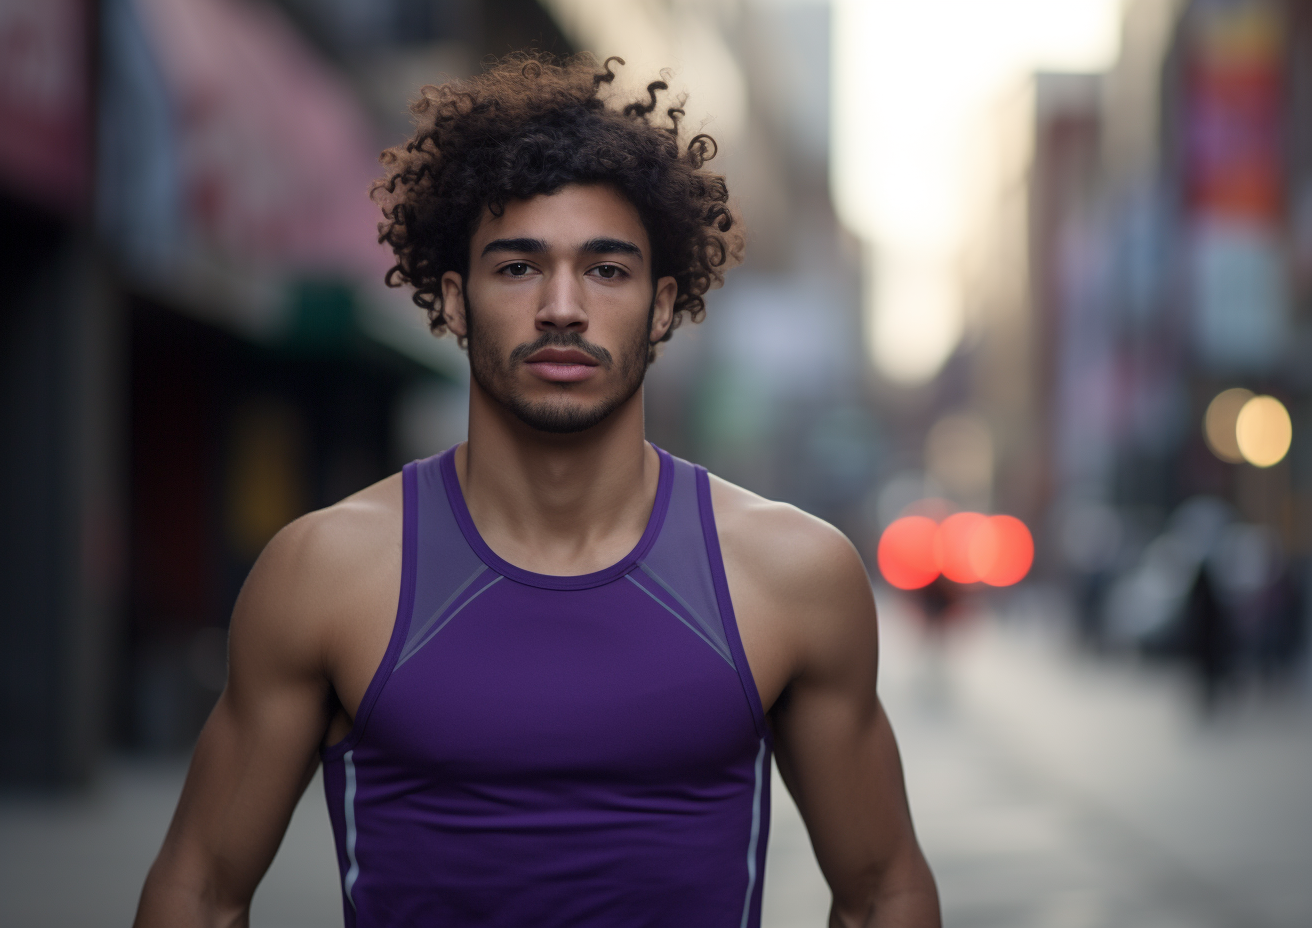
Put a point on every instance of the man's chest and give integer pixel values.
(359, 644)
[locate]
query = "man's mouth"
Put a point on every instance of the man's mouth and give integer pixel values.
(561, 365)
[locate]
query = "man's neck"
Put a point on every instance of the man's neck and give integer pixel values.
(557, 504)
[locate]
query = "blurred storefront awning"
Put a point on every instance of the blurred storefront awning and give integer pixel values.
(275, 154)
(234, 170)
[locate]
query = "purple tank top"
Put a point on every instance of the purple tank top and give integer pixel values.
(545, 751)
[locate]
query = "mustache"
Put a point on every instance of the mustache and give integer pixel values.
(555, 338)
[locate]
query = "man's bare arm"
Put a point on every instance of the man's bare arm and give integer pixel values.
(802, 590)
(837, 755)
(258, 750)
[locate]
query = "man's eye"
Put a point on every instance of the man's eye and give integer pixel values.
(608, 271)
(518, 269)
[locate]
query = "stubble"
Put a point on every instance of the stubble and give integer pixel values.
(563, 413)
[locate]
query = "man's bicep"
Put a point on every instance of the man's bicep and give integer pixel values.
(245, 779)
(256, 752)
(807, 616)
(843, 769)
(839, 757)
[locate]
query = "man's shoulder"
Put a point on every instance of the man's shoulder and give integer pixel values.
(351, 527)
(794, 553)
(327, 557)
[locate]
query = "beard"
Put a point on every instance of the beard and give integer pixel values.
(561, 414)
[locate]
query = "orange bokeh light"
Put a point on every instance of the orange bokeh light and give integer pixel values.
(906, 552)
(966, 548)
(955, 547)
(1002, 551)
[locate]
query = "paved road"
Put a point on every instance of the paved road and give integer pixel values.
(1048, 791)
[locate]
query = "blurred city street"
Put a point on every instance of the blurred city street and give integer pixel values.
(1049, 789)
(1021, 313)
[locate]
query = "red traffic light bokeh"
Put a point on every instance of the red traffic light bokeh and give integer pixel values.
(966, 547)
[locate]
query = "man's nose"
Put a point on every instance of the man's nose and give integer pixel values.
(562, 304)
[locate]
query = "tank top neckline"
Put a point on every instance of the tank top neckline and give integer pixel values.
(456, 498)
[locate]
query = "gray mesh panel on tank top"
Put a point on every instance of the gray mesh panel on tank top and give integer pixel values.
(679, 567)
(450, 574)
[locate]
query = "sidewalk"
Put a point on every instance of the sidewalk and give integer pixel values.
(1052, 789)
(1049, 791)
(80, 863)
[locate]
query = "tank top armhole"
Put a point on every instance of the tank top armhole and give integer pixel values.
(725, 604)
(404, 609)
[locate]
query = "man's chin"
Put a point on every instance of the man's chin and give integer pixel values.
(557, 418)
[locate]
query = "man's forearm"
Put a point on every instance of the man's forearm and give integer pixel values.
(905, 899)
(170, 901)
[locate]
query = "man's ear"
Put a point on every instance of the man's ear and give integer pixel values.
(453, 304)
(663, 312)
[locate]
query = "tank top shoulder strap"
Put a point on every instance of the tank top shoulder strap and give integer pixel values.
(451, 570)
(686, 567)
(410, 524)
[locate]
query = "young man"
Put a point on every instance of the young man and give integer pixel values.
(568, 719)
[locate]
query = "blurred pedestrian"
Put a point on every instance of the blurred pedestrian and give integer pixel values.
(1209, 639)
(1282, 635)
(940, 610)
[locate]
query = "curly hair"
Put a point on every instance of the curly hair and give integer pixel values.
(529, 126)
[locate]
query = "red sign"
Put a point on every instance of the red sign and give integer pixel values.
(45, 120)
(1234, 109)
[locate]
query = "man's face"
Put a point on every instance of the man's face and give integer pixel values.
(559, 306)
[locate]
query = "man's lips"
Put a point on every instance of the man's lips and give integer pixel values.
(561, 365)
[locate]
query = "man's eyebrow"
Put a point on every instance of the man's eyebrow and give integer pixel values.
(522, 245)
(610, 246)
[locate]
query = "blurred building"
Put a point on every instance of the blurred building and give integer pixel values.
(1145, 251)
(58, 491)
(197, 345)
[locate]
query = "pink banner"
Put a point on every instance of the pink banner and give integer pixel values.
(45, 124)
(276, 155)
